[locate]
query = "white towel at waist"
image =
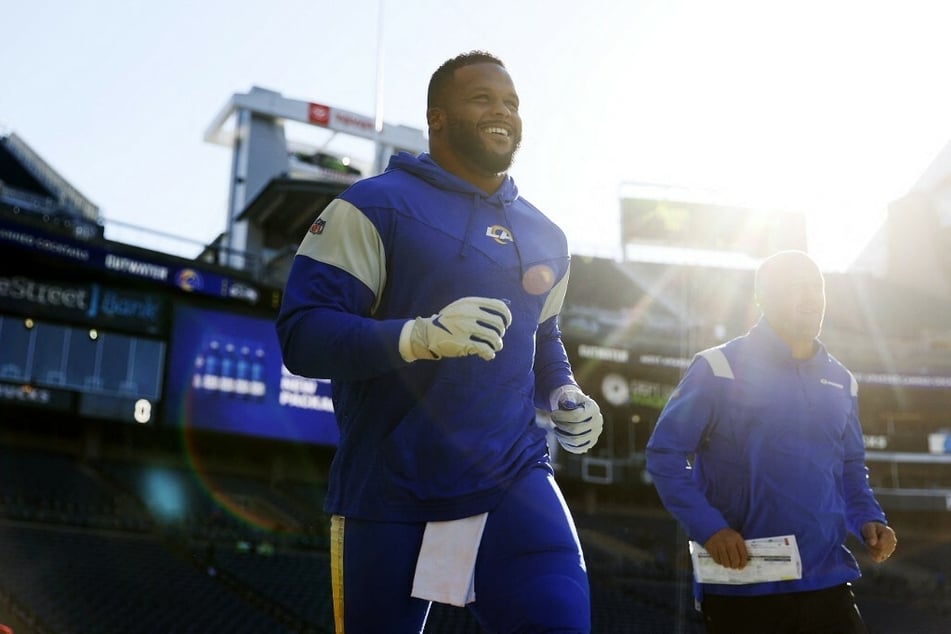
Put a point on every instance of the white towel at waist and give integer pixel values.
(445, 568)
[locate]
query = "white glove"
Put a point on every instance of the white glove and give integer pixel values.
(471, 325)
(577, 419)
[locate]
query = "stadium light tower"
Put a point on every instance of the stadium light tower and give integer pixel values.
(261, 154)
(379, 66)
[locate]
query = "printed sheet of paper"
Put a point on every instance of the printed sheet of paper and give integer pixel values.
(771, 559)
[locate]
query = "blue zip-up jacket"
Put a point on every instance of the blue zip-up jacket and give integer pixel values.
(428, 440)
(776, 448)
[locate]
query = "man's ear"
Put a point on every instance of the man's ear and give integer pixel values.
(435, 117)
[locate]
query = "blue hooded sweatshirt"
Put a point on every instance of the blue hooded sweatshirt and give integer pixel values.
(767, 444)
(427, 440)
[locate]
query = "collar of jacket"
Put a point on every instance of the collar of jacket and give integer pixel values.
(765, 337)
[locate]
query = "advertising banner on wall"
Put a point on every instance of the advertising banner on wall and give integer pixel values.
(225, 374)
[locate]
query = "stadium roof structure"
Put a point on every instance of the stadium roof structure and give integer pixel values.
(874, 325)
(913, 246)
(30, 184)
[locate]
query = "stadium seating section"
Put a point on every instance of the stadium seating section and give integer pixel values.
(143, 546)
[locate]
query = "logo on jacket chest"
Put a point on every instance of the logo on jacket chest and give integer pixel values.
(499, 233)
(537, 279)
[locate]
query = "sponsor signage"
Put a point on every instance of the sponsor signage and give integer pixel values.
(903, 380)
(340, 120)
(318, 114)
(225, 374)
(84, 303)
(603, 353)
(33, 396)
(186, 277)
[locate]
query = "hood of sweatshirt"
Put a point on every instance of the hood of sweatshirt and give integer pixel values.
(426, 168)
(518, 217)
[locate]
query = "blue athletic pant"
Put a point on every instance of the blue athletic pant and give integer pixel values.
(530, 573)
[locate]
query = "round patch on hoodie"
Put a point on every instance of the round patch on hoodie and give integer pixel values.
(538, 279)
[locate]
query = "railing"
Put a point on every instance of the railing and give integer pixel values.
(911, 481)
(183, 247)
(153, 239)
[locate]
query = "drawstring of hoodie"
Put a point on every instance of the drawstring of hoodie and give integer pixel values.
(470, 225)
(518, 252)
(424, 167)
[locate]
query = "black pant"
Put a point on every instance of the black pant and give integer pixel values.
(828, 611)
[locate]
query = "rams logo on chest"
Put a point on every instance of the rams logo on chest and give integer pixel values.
(499, 233)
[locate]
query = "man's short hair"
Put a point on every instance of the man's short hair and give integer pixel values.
(442, 78)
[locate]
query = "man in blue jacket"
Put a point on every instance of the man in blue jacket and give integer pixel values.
(429, 295)
(762, 438)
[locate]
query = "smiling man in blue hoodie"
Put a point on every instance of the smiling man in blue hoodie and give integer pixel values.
(429, 295)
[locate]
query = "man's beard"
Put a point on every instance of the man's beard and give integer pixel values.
(465, 140)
